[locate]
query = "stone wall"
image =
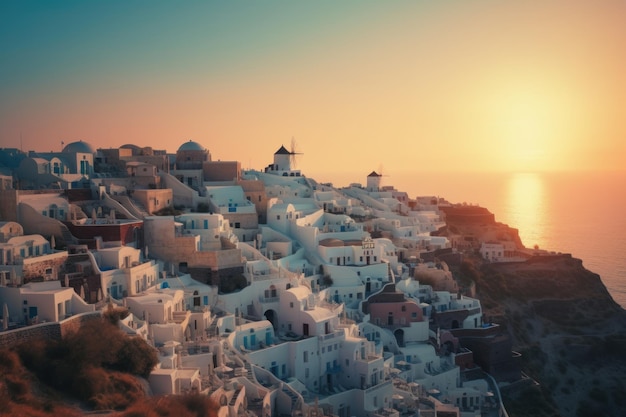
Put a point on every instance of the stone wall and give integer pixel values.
(221, 170)
(54, 331)
(8, 205)
(34, 269)
(254, 190)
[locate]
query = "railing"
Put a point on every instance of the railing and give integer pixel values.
(369, 389)
(325, 337)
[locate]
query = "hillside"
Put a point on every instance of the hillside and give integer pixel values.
(562, 319)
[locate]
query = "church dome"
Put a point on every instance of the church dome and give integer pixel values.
(191, 146)
(78, 147)
(130, 146)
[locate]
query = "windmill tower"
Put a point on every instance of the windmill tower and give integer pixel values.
(285, 160)
(282, 159)
(373, 181)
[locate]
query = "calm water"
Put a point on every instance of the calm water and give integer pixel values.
(579, 213)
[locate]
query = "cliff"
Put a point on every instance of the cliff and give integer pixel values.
(468, 226)
(569, 330)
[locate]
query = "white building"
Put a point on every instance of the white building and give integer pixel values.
(40, 302)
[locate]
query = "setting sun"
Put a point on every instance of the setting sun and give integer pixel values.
(461, 86)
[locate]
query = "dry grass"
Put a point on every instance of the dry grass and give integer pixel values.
(174, 406)
(98, 366)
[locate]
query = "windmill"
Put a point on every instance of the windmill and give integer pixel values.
(381, 173)
(293, 152)
(380, 170)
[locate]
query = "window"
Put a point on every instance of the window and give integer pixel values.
(305, 356)
(237, 225)
(306, 372)
(278, 217)
(403, 308)
(291, 304)
(48, 271)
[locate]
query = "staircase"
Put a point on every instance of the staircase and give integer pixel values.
(249, 373)
(212, 329)
(133, 207)
(235, 396)
(294, 397)
(68, 237)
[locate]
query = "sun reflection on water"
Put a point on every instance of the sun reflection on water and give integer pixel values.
(527, 206)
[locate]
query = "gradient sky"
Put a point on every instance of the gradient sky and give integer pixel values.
(468, 85)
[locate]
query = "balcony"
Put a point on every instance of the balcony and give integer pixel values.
(329, 336)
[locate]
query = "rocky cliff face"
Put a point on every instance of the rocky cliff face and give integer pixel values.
(571, 333)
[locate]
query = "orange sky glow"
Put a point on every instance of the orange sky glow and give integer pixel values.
(409, 85)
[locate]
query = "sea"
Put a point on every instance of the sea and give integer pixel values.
(582, 213)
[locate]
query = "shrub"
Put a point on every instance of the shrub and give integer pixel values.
(179, 406)
(327, 280)
(115, 314)
(136, 357)
(82, 362)
(202, 208)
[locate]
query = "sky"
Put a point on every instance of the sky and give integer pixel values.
(397, 86)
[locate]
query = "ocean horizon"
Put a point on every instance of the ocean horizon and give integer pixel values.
(580, 213)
